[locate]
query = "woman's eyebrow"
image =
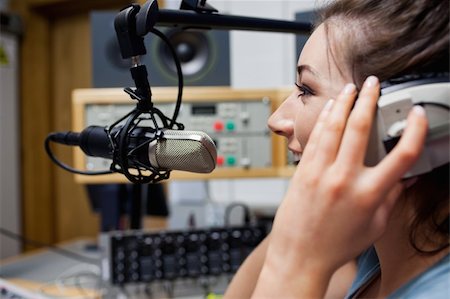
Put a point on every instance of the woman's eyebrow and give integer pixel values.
(304, 67)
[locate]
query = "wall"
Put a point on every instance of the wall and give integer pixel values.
(9, 142)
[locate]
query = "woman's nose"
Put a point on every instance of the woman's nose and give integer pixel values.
(281, 122)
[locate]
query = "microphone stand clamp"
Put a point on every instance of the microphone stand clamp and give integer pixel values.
(129, 25)
(199, 6)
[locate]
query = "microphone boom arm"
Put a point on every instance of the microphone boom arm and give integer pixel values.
(136, 21)
(187, 20)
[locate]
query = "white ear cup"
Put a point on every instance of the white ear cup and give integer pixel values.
(393, 109)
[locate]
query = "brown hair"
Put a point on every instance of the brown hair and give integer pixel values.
(390, 39)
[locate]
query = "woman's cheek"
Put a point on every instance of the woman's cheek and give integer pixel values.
(302, 131)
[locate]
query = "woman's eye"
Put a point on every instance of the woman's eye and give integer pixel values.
(304, 91)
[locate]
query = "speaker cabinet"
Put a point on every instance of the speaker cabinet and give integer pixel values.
(204, 56)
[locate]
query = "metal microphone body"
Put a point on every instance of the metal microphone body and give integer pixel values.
(192, 151)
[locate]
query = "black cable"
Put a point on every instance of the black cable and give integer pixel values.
(65, 166)
(179, 74)
(56, 249)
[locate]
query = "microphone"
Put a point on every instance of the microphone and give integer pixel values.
(157, 150)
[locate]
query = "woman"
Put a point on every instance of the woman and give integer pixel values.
(337, 210)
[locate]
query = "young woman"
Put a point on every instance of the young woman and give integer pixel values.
(336, 209)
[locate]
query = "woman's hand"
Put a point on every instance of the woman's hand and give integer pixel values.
(335, 206)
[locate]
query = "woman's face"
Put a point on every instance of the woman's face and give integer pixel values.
(318, 80)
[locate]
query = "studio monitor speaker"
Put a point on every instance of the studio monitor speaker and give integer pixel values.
(204, 56)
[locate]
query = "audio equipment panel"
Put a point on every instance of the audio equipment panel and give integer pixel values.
(236, 120)
(138, 256)
(238, 128)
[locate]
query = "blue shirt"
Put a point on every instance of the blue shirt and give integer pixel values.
(433, 283)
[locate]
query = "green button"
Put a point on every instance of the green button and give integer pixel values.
(230, 126)
(231, 160)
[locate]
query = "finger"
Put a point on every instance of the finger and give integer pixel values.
(334, 127)
(405, 153)
(357, 133)
(314, 137)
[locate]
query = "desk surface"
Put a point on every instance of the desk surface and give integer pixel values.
(46, 265)
(41, 272)
(44, 270)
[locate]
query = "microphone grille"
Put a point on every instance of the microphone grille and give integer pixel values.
(191, 151)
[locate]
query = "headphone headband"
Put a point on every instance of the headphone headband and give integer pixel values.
(409, 80)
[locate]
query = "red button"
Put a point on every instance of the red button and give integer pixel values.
(218, 126)
(220, 160)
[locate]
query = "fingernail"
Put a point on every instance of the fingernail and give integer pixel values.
(371, 81)
(418, 110)
(328, 105)
(349, 88)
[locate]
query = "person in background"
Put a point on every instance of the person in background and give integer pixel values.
(344, 229)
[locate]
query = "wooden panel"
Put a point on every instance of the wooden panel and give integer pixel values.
(81, 97)
(71, 69)
(35, 120)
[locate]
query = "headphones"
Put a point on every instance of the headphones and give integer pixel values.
(398, 96)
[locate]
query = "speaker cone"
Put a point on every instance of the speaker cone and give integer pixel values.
(192, 49)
